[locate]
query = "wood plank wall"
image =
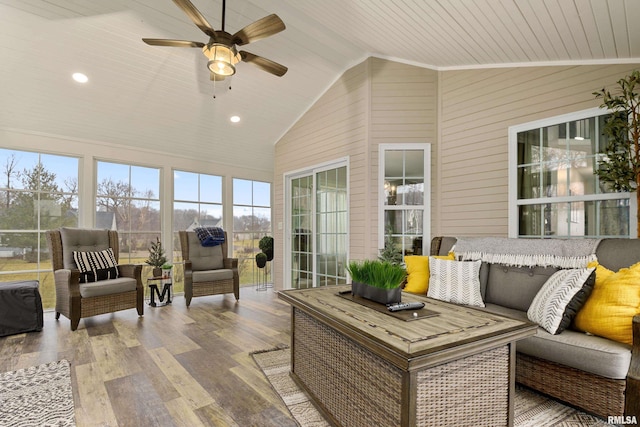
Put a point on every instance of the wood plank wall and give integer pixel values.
(477, 108)
(465, 115)
(375, 102)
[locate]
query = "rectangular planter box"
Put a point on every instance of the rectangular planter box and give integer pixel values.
(383, 296)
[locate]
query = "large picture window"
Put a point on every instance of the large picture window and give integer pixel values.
(128, 200)
(554, 191)
(251, 222)
(197, 202)
(38, 192)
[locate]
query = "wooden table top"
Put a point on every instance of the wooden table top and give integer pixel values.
(454, 332)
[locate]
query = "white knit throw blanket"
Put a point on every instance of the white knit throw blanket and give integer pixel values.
(563, 253)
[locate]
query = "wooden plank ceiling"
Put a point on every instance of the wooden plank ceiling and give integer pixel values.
(160, 98)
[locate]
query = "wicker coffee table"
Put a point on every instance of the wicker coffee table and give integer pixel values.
(363, 367)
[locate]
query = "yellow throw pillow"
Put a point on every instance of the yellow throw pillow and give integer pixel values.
(614, 301)
(418, 272)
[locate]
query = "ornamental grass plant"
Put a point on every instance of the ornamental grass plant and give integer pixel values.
(379, 274)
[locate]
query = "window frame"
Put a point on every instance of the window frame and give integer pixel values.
(123, 234)
(515, 203)
(426, 206)
(254, 232)
(43, 269)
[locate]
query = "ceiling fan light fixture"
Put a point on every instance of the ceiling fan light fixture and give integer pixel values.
(222, 59)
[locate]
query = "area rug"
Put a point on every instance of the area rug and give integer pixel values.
(531, 409)
(37, 396)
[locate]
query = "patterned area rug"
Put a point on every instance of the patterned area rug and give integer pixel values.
(37, 396)
(531, 409)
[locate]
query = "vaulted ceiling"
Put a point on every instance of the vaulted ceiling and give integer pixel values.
(162, 98)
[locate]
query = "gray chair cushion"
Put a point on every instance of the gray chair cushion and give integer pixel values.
(204, 258)
(82, 240)
(578, 350)
(107, 287)
(515, 287)
(212, 275)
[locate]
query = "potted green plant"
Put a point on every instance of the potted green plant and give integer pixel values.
(266, 246)
(261, 259)
(157, 257)
(620, 164)
(376, 280)
(166, 270)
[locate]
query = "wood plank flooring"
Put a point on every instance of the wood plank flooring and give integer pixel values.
(176, 366)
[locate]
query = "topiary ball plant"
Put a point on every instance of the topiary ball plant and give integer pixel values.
(261, 259)
(266, 246)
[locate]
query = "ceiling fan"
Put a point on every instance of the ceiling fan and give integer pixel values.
(221, 48)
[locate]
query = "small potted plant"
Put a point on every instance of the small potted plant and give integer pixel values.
(166, 270)
(377, 280)
(157, 257)
(261, 259)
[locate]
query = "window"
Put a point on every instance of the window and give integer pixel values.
(251, 222)
(554, 191)
(197, 202)
(405, 192)
(38, 192)
(128, 200)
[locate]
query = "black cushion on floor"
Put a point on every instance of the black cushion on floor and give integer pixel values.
(20, 307)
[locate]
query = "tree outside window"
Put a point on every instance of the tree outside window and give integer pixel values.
(38, 192)
(127, 200)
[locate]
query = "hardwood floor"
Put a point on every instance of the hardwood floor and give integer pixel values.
(176, 366)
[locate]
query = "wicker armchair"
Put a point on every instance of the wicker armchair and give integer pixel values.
(77, 300)
(207, 270)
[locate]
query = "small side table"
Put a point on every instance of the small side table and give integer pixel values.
(154, 283)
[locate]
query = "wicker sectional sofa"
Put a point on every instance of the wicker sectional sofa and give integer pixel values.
(596, 374)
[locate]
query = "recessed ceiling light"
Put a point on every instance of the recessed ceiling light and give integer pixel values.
(80, 78)
(235, 119)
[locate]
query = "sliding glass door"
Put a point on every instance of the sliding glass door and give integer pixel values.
(318, 227)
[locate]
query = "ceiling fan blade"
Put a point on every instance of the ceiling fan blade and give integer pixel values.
(173, 43)
(265, 27)
(195, 15)
(266, 64)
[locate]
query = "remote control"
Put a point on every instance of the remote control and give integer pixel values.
(405, 306)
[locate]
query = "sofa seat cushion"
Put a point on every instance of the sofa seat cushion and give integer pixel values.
(578, 350)
(107, 287)
(212, 275)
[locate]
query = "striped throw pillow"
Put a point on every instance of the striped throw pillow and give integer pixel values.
(455, 281)
(560, 298)
(96, 266)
